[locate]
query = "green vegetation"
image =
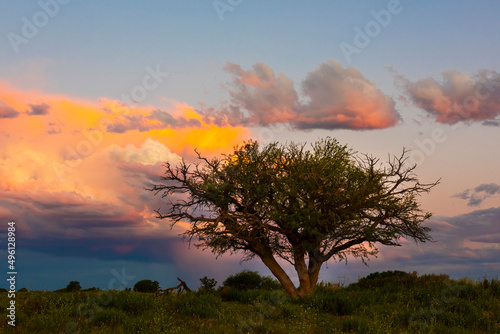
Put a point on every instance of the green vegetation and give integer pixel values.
(147, 285)
(73, 286)
(389, 302)
(250, 280)
(207, 284)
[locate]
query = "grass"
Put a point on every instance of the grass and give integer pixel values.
(393, 302)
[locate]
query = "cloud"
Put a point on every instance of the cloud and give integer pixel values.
(126, 118)
(74, 188)
(458, 96)
(465, 245)
(491, 123)
(38, 109)
(332, 98)
(477, 195)
(7, 112)
(149, 153)
(343, 98)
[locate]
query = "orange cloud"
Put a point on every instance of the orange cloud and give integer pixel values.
(63, 168)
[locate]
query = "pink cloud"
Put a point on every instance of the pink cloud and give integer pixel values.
(332, 98)
(458, 96)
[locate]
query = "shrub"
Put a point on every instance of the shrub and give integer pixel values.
(207, 284)
(385, 278)
(73, 286)
(147, 285)
(245, 280)
(269, 283)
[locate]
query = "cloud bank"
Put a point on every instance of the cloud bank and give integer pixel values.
(76, 187)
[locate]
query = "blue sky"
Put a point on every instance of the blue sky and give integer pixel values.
(405, 86)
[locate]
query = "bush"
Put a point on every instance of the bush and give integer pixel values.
(245, 280)
(207, 284)
(73, 286)
(269, 283)
(396, 277)
(147, 285)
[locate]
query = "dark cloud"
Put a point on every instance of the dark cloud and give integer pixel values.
(38, 109)
(156, 119)
(465, 245)
(132, 248)
(491, 123)
(477, 195)
(7, 112)
(458, 96)
(332, 98)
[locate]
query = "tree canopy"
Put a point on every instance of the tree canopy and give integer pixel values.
(302, 206)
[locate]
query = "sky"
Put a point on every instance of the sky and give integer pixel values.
(96, 96)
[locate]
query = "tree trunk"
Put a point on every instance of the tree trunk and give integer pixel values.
(308, 276)
(266, 255)
(305, 288)
(280, 274)
(313, 270)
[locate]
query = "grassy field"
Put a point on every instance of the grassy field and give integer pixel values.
(380, 303)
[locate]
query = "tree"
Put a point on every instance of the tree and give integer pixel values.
(147, 285)
(303, 206)
(207, 284)
(73, 286)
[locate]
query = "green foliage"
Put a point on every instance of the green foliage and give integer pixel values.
(269, 283)
(244, 280)
(73, 286)
(147, 285)
(22, 290)
(386, 278)
(237, 295)
(207, 284)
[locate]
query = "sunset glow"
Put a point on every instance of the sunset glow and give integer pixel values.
(95, 103)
